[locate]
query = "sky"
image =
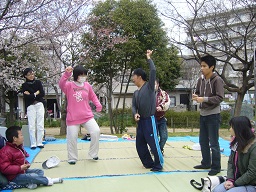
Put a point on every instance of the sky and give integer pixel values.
(182, 8)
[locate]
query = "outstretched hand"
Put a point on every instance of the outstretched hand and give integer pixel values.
(149, 53)
(69, 69)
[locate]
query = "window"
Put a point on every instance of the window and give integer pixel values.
(173, 101)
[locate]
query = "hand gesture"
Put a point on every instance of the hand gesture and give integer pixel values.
(137, 117)
(69, 69)
(228, 185)
(26, 93)
(24, 167)
(37, 93)
(149, 53)
(159, 108)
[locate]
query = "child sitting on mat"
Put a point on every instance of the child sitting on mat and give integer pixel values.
(15, 167)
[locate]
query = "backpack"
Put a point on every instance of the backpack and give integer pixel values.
(208, 183)
(2, 141)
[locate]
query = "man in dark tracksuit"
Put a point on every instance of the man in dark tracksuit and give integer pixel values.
(143, 109)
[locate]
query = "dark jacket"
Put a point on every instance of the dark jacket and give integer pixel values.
(212, 91)
(144, 100)
(162, 100)
(32, 87)
(12, 157)
(246, 166)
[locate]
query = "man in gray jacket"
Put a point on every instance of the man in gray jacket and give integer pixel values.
(209, 93)
(143, 109)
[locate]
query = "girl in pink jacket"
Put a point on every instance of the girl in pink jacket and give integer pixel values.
(79, 93)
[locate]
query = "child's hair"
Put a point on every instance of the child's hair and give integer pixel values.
(12, 132)
(140, 72)
(79, 70)
(243, 131)
(209, 60)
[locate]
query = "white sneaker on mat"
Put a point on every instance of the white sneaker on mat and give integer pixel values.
(57, 180)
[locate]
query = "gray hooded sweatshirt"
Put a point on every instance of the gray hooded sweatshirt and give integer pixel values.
(213, 92)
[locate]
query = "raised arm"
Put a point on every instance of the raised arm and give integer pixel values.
(64, 78)
(152, 73)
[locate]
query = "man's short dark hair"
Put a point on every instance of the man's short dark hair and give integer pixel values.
(79, 70)
(140, 72)
(12, 132)
(209, 60)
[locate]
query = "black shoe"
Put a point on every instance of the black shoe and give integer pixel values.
(72, 162)
(201, 167)
(213, 172)
(156, 170)
(40, 146)
(32, 148)
(96, 158)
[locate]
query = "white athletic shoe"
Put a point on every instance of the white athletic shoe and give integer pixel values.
(57, 180)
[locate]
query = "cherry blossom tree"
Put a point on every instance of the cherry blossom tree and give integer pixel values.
(41, 24)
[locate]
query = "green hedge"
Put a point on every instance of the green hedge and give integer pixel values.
(186, 119)
(190, 119)
(121, 120)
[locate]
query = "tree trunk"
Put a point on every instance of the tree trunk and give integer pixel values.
(11, 102)
(110, 111)
(2, 99)
(57, 96)
(125, 92)
(238, 105)
(63, 125)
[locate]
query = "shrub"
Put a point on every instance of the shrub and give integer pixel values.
(190, 119)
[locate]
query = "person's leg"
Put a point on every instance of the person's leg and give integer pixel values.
(204, 142)
(31, 113)
(142, 147)
(163, 133)
(220, 188)
(93, 129)
(40, 123)
(247, 188)
(32, 176)
(213, 124)
(150, 134)
(72, 134)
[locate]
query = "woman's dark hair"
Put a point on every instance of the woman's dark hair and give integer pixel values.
(79, 70)
(243, 131)
(12, 132)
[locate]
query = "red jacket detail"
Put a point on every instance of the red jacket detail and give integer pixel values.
(11, 158)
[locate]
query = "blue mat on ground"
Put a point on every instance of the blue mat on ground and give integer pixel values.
(223, 144)
(32, 153)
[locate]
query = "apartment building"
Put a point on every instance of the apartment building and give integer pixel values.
(230, 37)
